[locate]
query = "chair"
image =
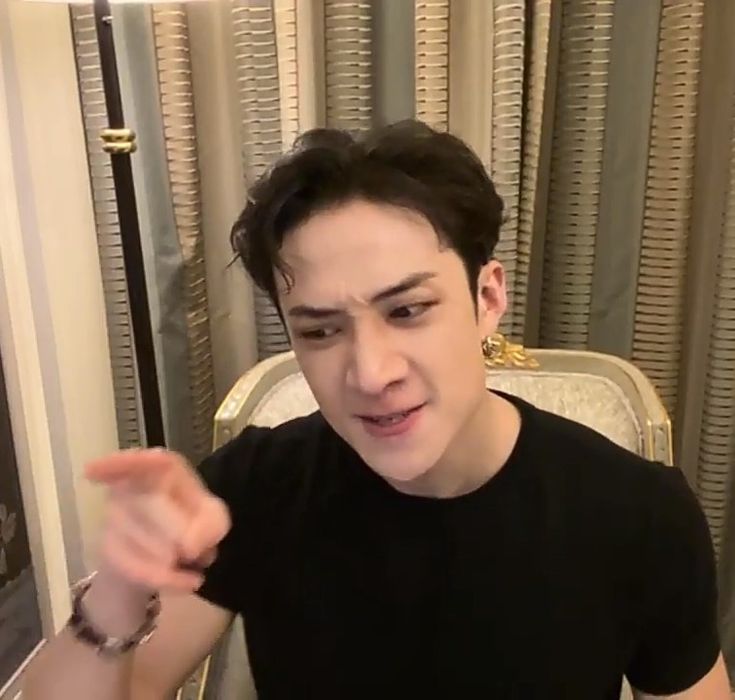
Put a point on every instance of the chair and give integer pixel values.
(601, 391)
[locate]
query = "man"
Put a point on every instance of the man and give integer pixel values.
(420, 536)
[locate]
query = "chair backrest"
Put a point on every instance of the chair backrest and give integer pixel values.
(603, 392)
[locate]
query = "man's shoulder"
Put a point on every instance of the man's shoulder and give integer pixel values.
(298, 434)
(571, 442)
(620, 506)
(266, 458)
(594, 467)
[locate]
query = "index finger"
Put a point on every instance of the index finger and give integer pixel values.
(149, 470)
(139, 468)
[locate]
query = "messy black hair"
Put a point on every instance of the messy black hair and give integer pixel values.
(407, 164)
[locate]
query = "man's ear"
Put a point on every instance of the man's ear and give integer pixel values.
(491, 297)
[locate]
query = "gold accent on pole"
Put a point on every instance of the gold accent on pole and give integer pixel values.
(118, 141)
(500, 352)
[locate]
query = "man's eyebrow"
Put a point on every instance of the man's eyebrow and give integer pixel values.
(405, 285)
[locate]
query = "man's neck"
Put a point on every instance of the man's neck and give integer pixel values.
(477, 454)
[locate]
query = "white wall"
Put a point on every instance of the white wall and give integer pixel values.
(53, 333)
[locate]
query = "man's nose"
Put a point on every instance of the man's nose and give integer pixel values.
(375, 362)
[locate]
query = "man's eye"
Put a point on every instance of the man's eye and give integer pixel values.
(318, 333)
(410, 311)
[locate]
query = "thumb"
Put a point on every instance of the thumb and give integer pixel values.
(199, 565)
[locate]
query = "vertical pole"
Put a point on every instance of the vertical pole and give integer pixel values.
(122, 175)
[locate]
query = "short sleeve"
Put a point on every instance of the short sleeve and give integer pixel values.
(227, 474)
(679, 643)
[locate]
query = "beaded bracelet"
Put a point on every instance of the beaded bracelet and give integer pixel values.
(83, 629)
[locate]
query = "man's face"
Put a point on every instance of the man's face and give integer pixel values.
(386, 332)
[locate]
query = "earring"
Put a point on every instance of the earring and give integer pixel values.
(499, 352)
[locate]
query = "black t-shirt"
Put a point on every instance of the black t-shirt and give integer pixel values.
(578, 563)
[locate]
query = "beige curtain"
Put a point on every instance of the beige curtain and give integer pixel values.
(173, 65)
(658, 322)
(108, 228)
(276, 43)
(716, 448)
(432, 62)
(264, 110)
(153, 48)
(607, 127)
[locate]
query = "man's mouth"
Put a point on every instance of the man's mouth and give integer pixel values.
(389, 419)
(388, 424)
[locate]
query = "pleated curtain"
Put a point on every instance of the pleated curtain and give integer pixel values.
(179, 130)
(152, 45)
(432, 63)
(263, 107)
(107, 225)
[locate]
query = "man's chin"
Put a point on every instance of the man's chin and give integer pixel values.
(399, 473)
(396, 463)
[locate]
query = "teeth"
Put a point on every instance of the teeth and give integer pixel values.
(390, 420)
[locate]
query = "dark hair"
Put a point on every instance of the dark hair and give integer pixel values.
(407, 164)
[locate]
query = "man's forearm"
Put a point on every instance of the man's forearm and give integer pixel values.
(69, 668)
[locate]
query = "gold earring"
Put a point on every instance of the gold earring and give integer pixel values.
(500, 352)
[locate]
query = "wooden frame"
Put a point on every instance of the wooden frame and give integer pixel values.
(249, 390)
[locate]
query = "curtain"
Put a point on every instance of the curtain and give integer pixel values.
(173, 65)
(152, 46)
(107, 225)
(606, 126)
(716, 448)
(432, 63)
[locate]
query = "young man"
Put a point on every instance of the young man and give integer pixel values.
(419, 536)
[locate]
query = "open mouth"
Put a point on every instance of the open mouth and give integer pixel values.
(391, 423)
(390, 419)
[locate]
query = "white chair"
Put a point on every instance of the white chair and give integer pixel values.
(601, 391)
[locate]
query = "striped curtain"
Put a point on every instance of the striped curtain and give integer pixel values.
(716, 452)
(109, 246)
(263, 107)
(347, 65)
(267, 62)
(432, 63)
(173, 65)
(574, 173)
(659, 310)
(170, 214)
(478, 48)
(507, 29)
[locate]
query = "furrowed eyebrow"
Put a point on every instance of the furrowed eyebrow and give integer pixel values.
(312, 312)
(405, 285)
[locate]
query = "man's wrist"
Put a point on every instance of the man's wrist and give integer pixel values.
(86, 630)
(115, 605)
